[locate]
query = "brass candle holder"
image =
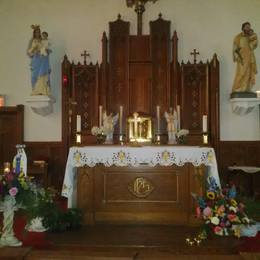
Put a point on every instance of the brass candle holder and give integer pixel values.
(78, 138)
(205, 138)
(158, 138)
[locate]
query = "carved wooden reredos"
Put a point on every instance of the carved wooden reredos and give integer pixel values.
(140, 72)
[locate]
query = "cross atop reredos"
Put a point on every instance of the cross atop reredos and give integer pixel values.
(194, 53)
(85, 54)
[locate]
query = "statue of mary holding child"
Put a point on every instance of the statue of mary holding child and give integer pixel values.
(39, 51)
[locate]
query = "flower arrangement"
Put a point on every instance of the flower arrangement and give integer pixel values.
(26, 193)
(38, 203)
(100, 133)
(220, 211)
(181, 136)
(98, 130)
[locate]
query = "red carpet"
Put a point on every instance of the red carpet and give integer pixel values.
(251, 244)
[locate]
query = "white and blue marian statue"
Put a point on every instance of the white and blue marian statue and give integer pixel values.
(39, 50)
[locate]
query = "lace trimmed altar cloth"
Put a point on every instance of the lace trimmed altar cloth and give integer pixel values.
(134, 156)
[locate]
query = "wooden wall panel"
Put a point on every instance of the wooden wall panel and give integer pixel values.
(240, 153)
(52, 152)
(140, 88)
(11, 131)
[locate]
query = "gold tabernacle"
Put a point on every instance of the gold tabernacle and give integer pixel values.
(139, 129)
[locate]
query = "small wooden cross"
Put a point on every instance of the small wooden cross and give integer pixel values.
(85, 54)
(194, 53)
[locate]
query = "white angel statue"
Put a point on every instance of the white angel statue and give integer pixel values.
(172, 125)
(109, 123)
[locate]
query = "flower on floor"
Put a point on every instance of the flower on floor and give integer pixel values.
(220, 211)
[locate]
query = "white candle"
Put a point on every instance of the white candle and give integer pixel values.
(121, 120)
(158, 118)
(179, 117)
(78, 123)
(100, 116)
(204, 123)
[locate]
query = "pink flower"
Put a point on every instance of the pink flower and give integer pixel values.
(218, 230)
(13, 191)
(231, 217)
(207, 212)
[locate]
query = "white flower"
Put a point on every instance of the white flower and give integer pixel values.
(215, 221)
(231, 208)
(36, 225)
(246, 220)
(182, 132)
(98, 130)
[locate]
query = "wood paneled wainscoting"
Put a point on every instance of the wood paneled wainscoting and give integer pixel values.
(240, 153)
(143, 194)
(53, 154)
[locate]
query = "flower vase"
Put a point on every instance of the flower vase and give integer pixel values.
(8, 238)
(101, 139)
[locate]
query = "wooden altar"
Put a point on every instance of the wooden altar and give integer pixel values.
(126, 184)
(105, 194)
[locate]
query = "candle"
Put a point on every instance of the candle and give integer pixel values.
(78, 123)
(158, 118)
(100, 116)
(179, 117)
(204, 123)
(7, 167)
(2, 101)
(258, 93)
(121, 120)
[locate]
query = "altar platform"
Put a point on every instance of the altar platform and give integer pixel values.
(137, 185)
(106, 242)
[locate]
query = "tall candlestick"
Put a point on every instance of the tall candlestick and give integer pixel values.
(158, 118)
(204, 123)
(100, 116)
(179, 117)
(78, 123)
(121, 120)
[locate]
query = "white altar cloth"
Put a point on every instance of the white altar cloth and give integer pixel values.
(134, 156)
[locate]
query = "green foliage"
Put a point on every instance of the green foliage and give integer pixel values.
(252, 208)
(57, 220)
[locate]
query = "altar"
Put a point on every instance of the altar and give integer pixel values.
(148, 184)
